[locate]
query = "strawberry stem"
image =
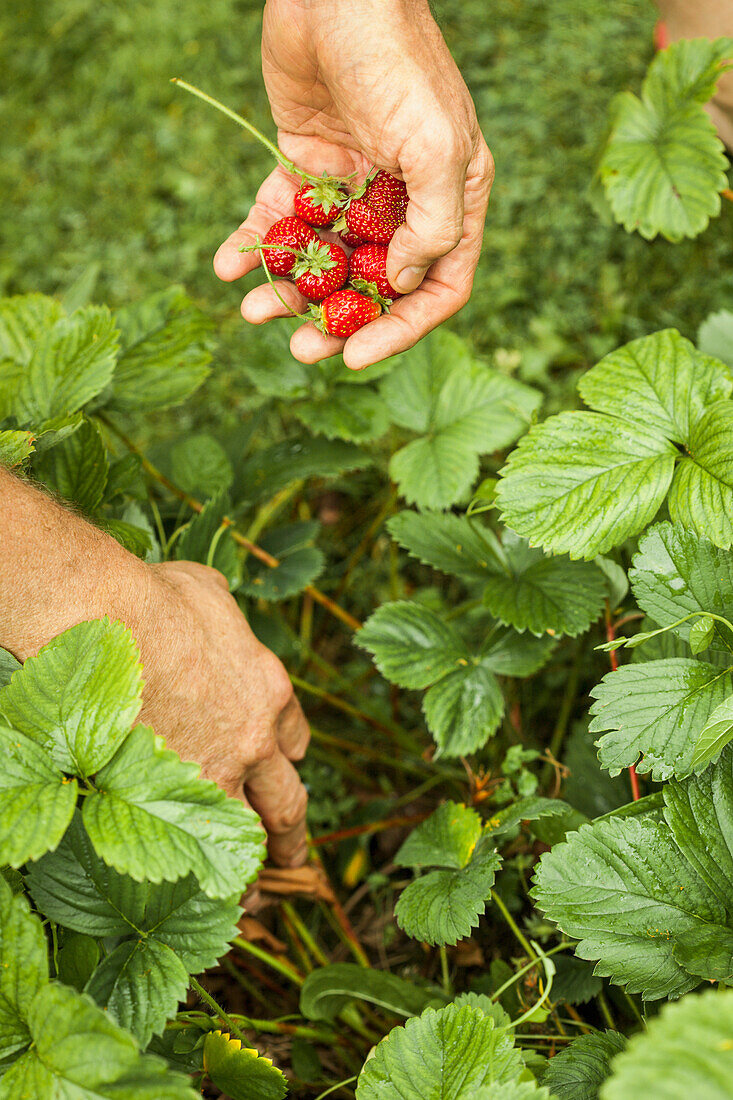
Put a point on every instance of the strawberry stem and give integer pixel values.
(288, 165)
(290, 309)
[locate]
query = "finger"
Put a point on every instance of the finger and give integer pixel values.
(275, 791)
(293, 732)
(274, 201)
(308, 345)
(438, 188)
(444, 292)
(263, 304)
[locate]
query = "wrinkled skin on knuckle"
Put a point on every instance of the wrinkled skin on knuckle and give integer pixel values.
(291, 815)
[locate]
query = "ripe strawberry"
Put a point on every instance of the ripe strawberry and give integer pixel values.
(320, 270)
(387, 195)
(291, 232)
(368, 266)
(319, 204)
(345, 312)
(348, 237)
(369, 224)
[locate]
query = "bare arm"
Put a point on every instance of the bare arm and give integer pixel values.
(211, 689)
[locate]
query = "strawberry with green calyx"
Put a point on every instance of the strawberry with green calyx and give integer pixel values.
(294, 235)
(386, 195)
(319, 204)
(287, 164)
(320, 270)
(368, 268)
(344, 313)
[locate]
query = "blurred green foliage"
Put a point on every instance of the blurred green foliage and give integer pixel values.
(111, 176)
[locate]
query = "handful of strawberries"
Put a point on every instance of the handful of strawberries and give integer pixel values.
(365, 221)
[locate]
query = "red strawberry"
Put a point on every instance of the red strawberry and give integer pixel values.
(369, 224)
(368, 265)
(387, 195)
(320, 270)
(349, 238)
(291, 232)
(319, 204)
(345, 312)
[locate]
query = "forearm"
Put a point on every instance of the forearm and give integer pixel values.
(56, 570)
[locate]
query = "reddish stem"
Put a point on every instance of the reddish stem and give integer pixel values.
(611, 637)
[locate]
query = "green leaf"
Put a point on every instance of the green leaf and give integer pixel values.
(300, 563)
(715, 734)
(8, 664)
(79, 696)
(328, 990)
(516, 1090)
(23, 319)
(51, 432)
(23, 968)
(444, 905)
(15, 447)
(207, 540)
(200, 466)
(463, 710)
(278, 466)
(446, 839)
(243, 1073)
(358, 415)
(544, 594)
(152, 818)
(460, 408)
(36, 800)
(77, 468)
(76, 960)
(574, 981)
(641, 895)
(660, 380)
(522, 587)
(715, 336)
(448, 542)
(578, 1071)
(531, 808)
(677, 572)
(684, 1051)
(69, 365)
(441, 1055)
(411, 645)
(65, 1028)
(140, 984)
(164, 355)
(75, 888)
(509, 654)
(701, 496)
(583, 482)
(664, 166)
(701, 634)
(654, 712)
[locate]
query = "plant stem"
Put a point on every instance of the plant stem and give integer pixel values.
(526, 945)
(528, 966)
(209, 1000)
(606, 1011)
(611, 636)
(566, 708)
(286, 969)
(304, 933)
(445, 973)
(279, 157)
(334, 1088)
(340, 704)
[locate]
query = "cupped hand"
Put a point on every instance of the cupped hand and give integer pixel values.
(220, 698)
(355, 84)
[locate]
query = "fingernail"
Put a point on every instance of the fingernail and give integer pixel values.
(409, 278)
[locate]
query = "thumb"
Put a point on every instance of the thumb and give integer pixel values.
(433, 225)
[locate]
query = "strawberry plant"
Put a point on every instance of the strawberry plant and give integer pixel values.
(510, 616)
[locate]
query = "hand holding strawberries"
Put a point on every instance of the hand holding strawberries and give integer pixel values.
(353, 85)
